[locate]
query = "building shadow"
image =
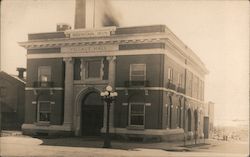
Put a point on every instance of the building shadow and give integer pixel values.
(89, 142)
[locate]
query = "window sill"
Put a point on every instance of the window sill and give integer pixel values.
(42, 124)
(136, 127)
(97, 81)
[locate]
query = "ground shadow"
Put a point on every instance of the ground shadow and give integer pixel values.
(93, 142)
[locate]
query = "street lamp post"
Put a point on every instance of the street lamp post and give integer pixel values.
(109, 97)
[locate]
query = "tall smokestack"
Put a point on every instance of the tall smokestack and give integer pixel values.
(80, 14)
(94, 13)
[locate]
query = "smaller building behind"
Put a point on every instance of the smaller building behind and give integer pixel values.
(12, 99)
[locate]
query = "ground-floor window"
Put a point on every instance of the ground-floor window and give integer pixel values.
(178, 116)
(189, 120)
(44, 111)
(137, 114)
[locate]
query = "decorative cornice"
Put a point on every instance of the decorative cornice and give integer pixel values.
(121, 39)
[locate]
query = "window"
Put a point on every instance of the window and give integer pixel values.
(44, 111)
(196, 86)
(170, 75)
(137, 72)
(136, 111)
(190, 83)
(180, 80)
(3, 92)
(93, 69)
(44, 75)
(167, 117)
(179, 114)
(200, 91)
(77, 69)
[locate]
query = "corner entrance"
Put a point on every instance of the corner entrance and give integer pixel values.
(92, 114)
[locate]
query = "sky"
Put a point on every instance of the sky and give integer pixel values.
(217, 31)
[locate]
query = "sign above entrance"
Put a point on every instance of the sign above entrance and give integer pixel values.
(87, 33)
(86, 49)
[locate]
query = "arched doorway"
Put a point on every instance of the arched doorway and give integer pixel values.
(92, 114)
(189, 120)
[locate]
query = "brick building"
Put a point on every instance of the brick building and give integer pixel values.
(159, 80)
(12, 99)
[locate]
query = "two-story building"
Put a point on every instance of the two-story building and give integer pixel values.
(159, 80)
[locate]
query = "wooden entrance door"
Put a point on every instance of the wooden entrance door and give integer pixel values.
(92, 115)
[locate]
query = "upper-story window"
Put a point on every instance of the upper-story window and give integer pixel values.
(44, 73)
(180, 80)
(93, 69)
(77, 69)
(202, 90)
(170, 75)
(137, 72)
(196, 86)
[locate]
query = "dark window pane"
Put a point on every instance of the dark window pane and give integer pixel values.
(44, 106)
(44, 116)
(93, 69)
(77, 69)
(137, 72)
(44, 73)
(3, 92)
(138, 67)
(137, 78)
(106, 70)
(137, 109)
(137, 120)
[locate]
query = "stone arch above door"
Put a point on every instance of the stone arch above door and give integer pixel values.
(78, 102)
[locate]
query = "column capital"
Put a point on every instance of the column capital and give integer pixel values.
(68, 59)
(111, 58)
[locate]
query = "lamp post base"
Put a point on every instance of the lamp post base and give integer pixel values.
(106, 144)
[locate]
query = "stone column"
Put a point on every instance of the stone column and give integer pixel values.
(111, 78)
(68, 93)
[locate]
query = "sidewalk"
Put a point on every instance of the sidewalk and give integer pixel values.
(97, 142)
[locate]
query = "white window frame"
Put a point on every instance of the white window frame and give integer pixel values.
(129, 117)
(40, 73)
(38, 112)
(170, 75)
(131, 68)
